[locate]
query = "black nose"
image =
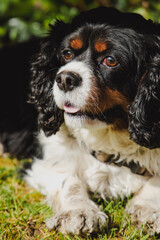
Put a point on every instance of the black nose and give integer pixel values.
(67, 81)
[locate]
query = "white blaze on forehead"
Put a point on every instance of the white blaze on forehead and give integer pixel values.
(79, 67)
(78, 95)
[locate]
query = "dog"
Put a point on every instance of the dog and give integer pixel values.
(95, 86)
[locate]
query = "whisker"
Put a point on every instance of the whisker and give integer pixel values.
(52, 69)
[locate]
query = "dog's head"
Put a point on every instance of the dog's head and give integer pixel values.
(101, 68)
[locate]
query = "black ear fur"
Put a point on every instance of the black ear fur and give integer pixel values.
(44, 67)
(144, 113)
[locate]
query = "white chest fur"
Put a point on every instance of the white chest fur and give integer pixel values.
(117, 142)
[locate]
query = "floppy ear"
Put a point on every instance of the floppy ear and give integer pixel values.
(144, 113)
(43, 70)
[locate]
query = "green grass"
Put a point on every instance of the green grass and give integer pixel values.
(23, 212)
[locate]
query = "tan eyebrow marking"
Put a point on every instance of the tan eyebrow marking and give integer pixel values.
(100, 46)
(76, 43)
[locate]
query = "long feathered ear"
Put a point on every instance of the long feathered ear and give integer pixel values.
(144, 113)
(44, 67)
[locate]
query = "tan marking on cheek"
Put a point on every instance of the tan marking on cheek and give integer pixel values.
(102, 98)
(118, 98)
(76, 43)
(100, 46)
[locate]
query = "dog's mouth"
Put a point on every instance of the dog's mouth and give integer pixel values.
(72, 110)
(76, 112)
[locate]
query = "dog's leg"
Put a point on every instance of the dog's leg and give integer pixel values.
(144, 207)
(76, 213)
(61, 177)
(67, 194)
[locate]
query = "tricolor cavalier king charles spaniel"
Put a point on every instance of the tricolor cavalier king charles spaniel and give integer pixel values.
(96, 87)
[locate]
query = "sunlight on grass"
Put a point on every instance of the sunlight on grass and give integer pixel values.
(23, 212)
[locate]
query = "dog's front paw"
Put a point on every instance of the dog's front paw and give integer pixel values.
(78, 221)
(144, 215)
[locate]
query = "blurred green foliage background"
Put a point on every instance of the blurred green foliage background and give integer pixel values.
(22, 19)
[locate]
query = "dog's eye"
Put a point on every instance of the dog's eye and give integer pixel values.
(110, 62)
(68, 54)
